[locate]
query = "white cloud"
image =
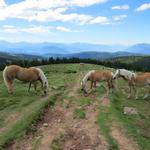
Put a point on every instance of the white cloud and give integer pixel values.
(119, 17)
(64, 29)
(35, 29)
(2, 4)
(100, 20)
(48, 10)
(121, 7)
(86, 3)
(53, 10)
(143, 7)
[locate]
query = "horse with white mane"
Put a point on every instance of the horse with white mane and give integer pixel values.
(126, 75)
(98, 76)
(133, 80)
(30, 75)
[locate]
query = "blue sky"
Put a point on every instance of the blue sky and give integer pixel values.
(92, 21)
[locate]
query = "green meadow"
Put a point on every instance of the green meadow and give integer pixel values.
(21, 110)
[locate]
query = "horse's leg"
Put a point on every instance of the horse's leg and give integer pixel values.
(29, 87)
(91, 86)
(108, 88)
(94, 85)
(130, 91)
(147, 95)
(112, 87)
(135, 92)
(131, 86)
(10, 86)
(35, 86)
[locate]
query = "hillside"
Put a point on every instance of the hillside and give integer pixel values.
(67, 118)
(131, 59)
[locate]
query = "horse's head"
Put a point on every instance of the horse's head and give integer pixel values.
(83, 85)
(117, 74)
(45, 87)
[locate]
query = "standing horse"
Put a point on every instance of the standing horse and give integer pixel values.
(126, 75)
(141, 80)
(31, 75)
(98, 76)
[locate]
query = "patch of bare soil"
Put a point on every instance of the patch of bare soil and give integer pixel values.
(84, 134)
(125, 142)
(105, 101)
(47, 129)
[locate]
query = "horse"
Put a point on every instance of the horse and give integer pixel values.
(141, 80)
(97, 76)
(30, 75)
(126, 75)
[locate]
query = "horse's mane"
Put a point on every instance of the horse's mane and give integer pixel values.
(42, 77)
(84, 80)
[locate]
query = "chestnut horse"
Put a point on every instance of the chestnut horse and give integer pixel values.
(98, 76)
(141, 80)
(30, 75)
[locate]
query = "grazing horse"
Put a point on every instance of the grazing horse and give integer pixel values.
(31, 75)
(98, 76)
(141, 80)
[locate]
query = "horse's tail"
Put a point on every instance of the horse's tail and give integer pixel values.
(43, 78)
(85, 79)
(5, 76)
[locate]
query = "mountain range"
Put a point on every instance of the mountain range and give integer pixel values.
(80, 50)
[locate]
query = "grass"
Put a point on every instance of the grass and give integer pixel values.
(105, 121)
(137, 126)
(22, 109)
(79, 113)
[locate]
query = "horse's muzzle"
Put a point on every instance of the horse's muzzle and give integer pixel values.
(114, 78)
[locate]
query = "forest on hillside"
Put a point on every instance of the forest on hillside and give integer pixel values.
(136, 63)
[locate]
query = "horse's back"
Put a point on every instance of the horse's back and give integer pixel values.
(11, 70)
(101, 75)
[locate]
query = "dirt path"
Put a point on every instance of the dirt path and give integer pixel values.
(118, 133)
(59, 128)
(124, 141)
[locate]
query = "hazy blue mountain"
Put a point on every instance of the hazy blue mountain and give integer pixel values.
(100, 55)
(55, 48)
(73, 49)
(93, 55)
(139, 48)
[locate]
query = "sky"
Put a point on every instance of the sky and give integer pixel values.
(122, 22)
